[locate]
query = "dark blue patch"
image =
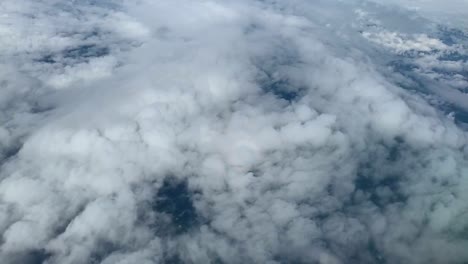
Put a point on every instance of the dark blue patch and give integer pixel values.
(394, 153)
(176, 259)
(364, 254)
(274, 76)
(38, 108)
(79, 53)
(176, 200)
(375, 254)
(290, 260)
(369, 185)
(282, 89)
(102, 250)
(48, 59)
(453, 56)
(38, 256)
(251, 28)
(461, 117)
(9, 153)
(371, 176)
(451, 36)
(12, 151)
(402, 66)
(86, 51)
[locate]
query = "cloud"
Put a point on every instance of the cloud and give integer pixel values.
(228, 132)
(451, 11)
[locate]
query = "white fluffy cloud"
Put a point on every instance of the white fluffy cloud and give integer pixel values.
(229, 132)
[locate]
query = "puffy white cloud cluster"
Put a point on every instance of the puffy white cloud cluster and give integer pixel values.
(222, 132)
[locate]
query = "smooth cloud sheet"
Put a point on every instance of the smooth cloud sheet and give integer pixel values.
(231, 132)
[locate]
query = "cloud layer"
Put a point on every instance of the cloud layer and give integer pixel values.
(231, 132)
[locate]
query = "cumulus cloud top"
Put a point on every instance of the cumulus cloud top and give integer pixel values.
(231, 132)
